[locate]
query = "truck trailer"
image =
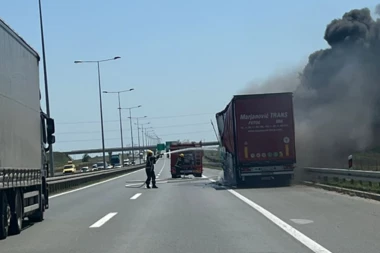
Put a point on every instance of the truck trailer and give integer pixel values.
(257, 138)
(193, 160)
(25, 135)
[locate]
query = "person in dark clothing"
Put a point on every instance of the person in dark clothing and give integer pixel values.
(179, 163)
(149, 169)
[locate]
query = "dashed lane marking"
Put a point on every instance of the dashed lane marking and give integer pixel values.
(103, 220)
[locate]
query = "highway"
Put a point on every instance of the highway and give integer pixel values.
(198, 216)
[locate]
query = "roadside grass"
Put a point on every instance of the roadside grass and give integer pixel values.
(364, 186)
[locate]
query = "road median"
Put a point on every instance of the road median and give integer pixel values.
(64, 183)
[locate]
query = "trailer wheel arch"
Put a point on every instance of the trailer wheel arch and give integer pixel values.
(17, 215)
(4, 215)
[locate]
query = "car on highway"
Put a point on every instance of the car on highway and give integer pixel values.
(116, 166)
(126, 162)
(84, 169)
(100, 165)
(94, 167)
(69, 168)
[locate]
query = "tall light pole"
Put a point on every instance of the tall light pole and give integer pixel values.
(130, 123)
(120, 121)
(51, 155)
(142, 133)
(138, 135)
(147, 132)
(100, 101)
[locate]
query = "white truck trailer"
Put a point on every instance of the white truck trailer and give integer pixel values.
(25, 135)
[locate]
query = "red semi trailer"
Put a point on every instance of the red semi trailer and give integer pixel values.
(258, 138)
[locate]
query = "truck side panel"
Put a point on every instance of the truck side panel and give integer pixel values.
(19, 103)
(265, 129)
(225, 123)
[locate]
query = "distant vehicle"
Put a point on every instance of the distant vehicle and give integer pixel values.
(94, 167)
(193, 164)
(115, 159)
(258, 139)
(100, 165)
(116, 166)
(127, 162)
(69, 168)
(84, 169)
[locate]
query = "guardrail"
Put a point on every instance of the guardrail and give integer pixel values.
(326, 175)
(58, 184)
(322, 175)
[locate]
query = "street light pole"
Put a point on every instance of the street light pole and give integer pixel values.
(100, 102)
(120, 121)
(101, 116)
(138, 139)
(142, 133)
(138, 134)
(51, 154)
(130, 123)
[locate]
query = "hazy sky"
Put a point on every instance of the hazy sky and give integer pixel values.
(181, 57)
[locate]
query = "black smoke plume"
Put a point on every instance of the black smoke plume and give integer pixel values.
(337, 94)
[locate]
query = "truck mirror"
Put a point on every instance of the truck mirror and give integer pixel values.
(51, 139)
(50, 126)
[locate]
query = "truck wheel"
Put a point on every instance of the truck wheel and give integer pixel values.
(174, 176)
(38, 216)
(5, 216)
(17, 215)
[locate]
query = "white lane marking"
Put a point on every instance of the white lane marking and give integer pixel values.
(103, 220)
(163, 166)
(136, 196)
(312, 245)
(91, 185)
(211, 180)
(301, 221)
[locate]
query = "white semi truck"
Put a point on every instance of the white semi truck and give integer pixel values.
(25, 135)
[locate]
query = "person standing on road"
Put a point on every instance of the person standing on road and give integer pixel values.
(149, 169)
(179, 163)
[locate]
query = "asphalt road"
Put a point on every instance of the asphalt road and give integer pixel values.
(197, 216)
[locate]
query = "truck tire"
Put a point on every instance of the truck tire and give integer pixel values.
(5, 215)
(17, 215)
(38, 216)
(174, 176)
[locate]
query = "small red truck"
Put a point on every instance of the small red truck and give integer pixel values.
(258, 138)
(192, 161)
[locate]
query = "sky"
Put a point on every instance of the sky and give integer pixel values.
(181, 58)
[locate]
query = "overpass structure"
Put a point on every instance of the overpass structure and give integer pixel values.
(136, 148)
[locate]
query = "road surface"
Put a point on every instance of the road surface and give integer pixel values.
(198, 216)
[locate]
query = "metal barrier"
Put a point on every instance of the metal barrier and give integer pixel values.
(58, 184)
(321, 175)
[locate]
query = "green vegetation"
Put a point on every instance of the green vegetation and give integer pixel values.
(360, 186)
(368, 160)
(211, 159)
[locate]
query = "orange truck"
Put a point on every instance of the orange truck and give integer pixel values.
(192, 161)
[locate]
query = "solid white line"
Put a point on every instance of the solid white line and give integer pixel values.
(103, 220)
(163, 166)
(136, 196)
(313, 245)
(91, 185)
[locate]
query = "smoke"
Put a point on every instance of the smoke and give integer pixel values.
(337, 93)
